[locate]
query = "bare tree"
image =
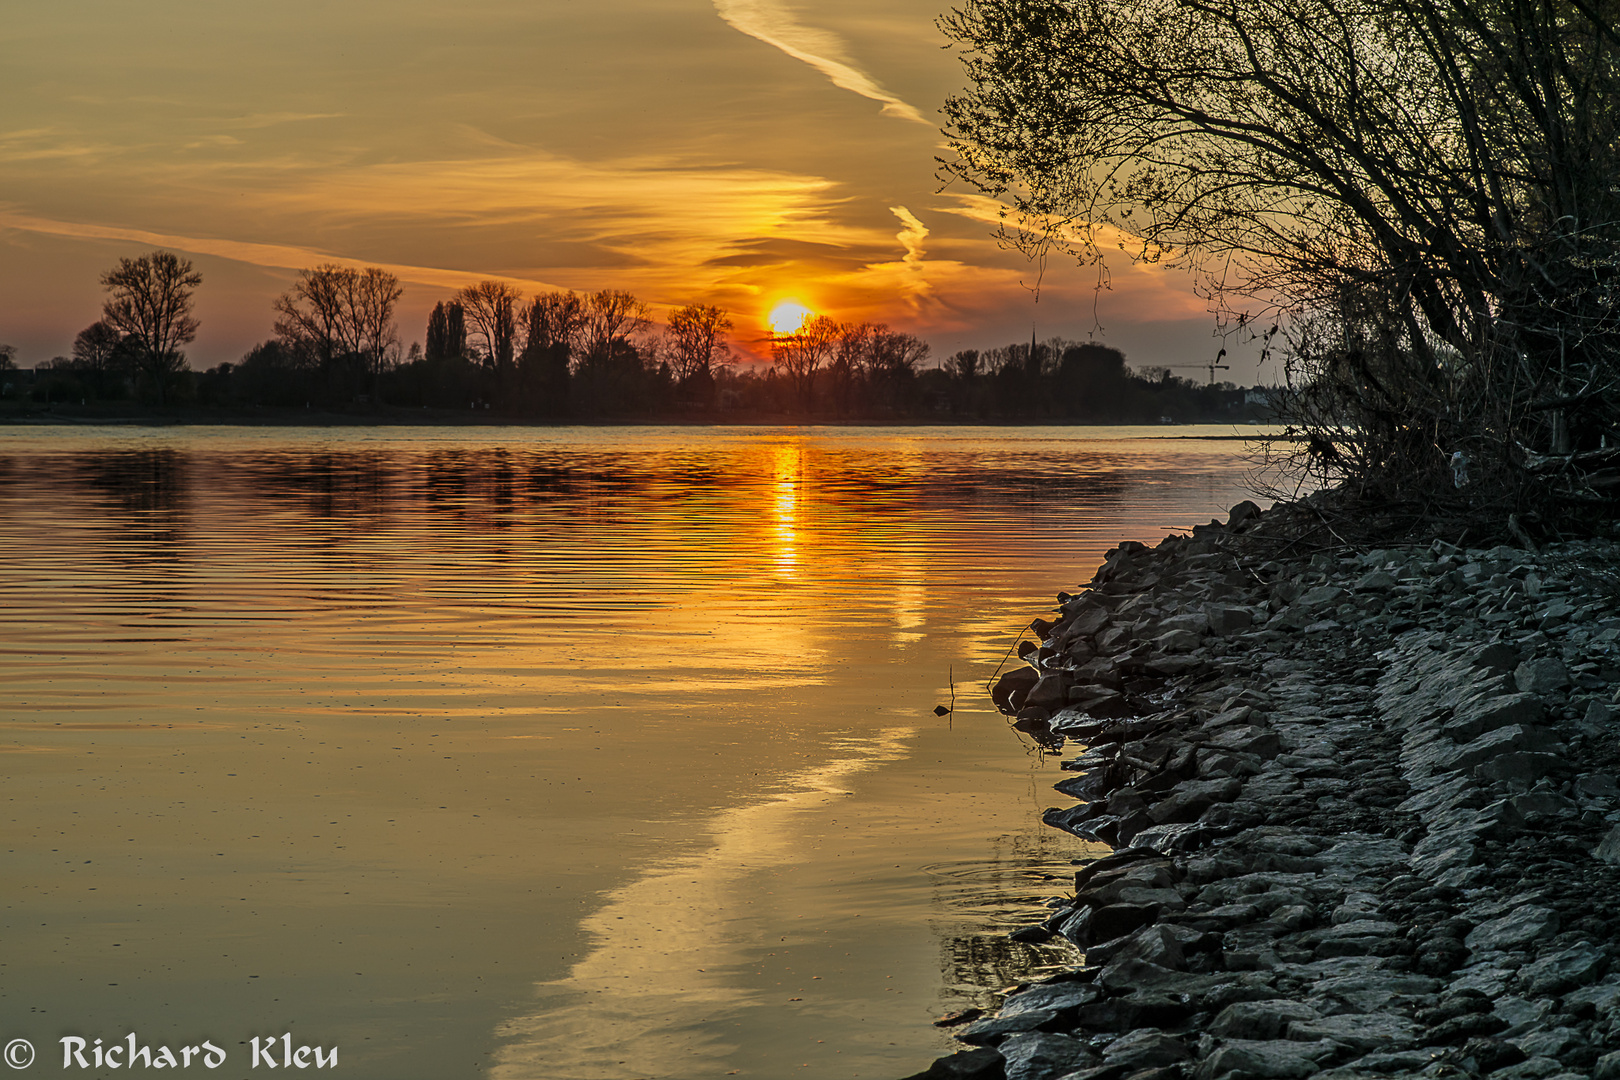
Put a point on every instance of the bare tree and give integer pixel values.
(491, 309)
(802, 353)
(151, 302)
(95, 346)
(695, 342)
(310, 316)
(611, 316)
(551, 321)
(334, 312)
(1421, 192)
(373, 293)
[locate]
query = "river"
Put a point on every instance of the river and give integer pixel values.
(591, 753)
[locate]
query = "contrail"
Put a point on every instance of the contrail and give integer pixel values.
(773, 24)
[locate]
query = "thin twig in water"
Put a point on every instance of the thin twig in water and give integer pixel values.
(1027, 626)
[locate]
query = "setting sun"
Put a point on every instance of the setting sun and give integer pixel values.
(788, 316)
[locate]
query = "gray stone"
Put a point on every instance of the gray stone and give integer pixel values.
(1519, 768)
(1146, 1048)
(1056, 996)
(1520, 927)
(1261, 742)
(1520, 1013)
(1192, 798)
(1564, 970)
(1196, 622)
(1040, 1056)
(1475, 718)
(1259, 1019)
(1549, 1042)
(1375, 991)
(1607, 1067)
(1597, 786)
(1542, 805)
(1541, 676)
(1497, 657)
(1321, 596)
(1375, 581)
(1513, 737)
(1359, 853)
(990, 1031)
(1129, 973)
(1178, 641)
(1011, 689)
(1534, 1069)
(1226, 621)
(980, 1064)
(1609, 849)
(1603, 997)
(1363, 1034)
(1050, 691)
(1278, 1059)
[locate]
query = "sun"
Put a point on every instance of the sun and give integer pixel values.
(788, 316)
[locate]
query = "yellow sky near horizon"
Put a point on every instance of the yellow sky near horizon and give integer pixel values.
(733, 152)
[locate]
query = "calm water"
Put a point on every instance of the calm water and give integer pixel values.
(556, 754)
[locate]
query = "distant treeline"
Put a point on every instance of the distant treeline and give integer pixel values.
(565, 355)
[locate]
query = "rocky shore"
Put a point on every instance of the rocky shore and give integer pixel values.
(1364, 811)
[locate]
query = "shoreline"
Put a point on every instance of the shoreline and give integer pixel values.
(1365, 812)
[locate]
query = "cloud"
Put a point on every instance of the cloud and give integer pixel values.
(823, 50)
(279, 256)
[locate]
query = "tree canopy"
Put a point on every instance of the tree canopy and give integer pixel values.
(1418, 193)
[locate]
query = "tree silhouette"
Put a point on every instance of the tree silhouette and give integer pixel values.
(341, 317)
(1423, 190)
(802, 353)
(150, 302)
(695, 343)
(491, 308)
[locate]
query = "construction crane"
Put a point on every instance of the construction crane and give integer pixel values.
(1210, 367)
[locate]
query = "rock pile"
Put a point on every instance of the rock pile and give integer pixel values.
(1364, 809)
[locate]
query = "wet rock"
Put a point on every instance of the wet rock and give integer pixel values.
(1607, 1067)
(1467, 1026)
(981, 1064)
(1041, 1056)
(1259, 1019)
(1519, 768)
(1261, 742)
(1095, 925)
(1057, 997)
(1361, 1033)
(1541, 676)
(1051, 691)
(1602, 998)
(1564, 970)
(1553, 1043)
(1532, 1069)
(1018, 682)
(1608, 850)
(1146, 1048)
(1520, 927)
(995, 1029)
(1277, 1059)
(1191, 799)
(1478, 717)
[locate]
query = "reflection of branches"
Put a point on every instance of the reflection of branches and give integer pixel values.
(986, 900)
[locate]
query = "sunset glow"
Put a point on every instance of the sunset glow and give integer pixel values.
(687, 154)
(788, 316)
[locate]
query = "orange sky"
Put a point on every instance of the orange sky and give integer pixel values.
(733, 152)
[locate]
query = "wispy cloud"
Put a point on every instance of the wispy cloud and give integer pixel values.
(277, 256)
(775, 25)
